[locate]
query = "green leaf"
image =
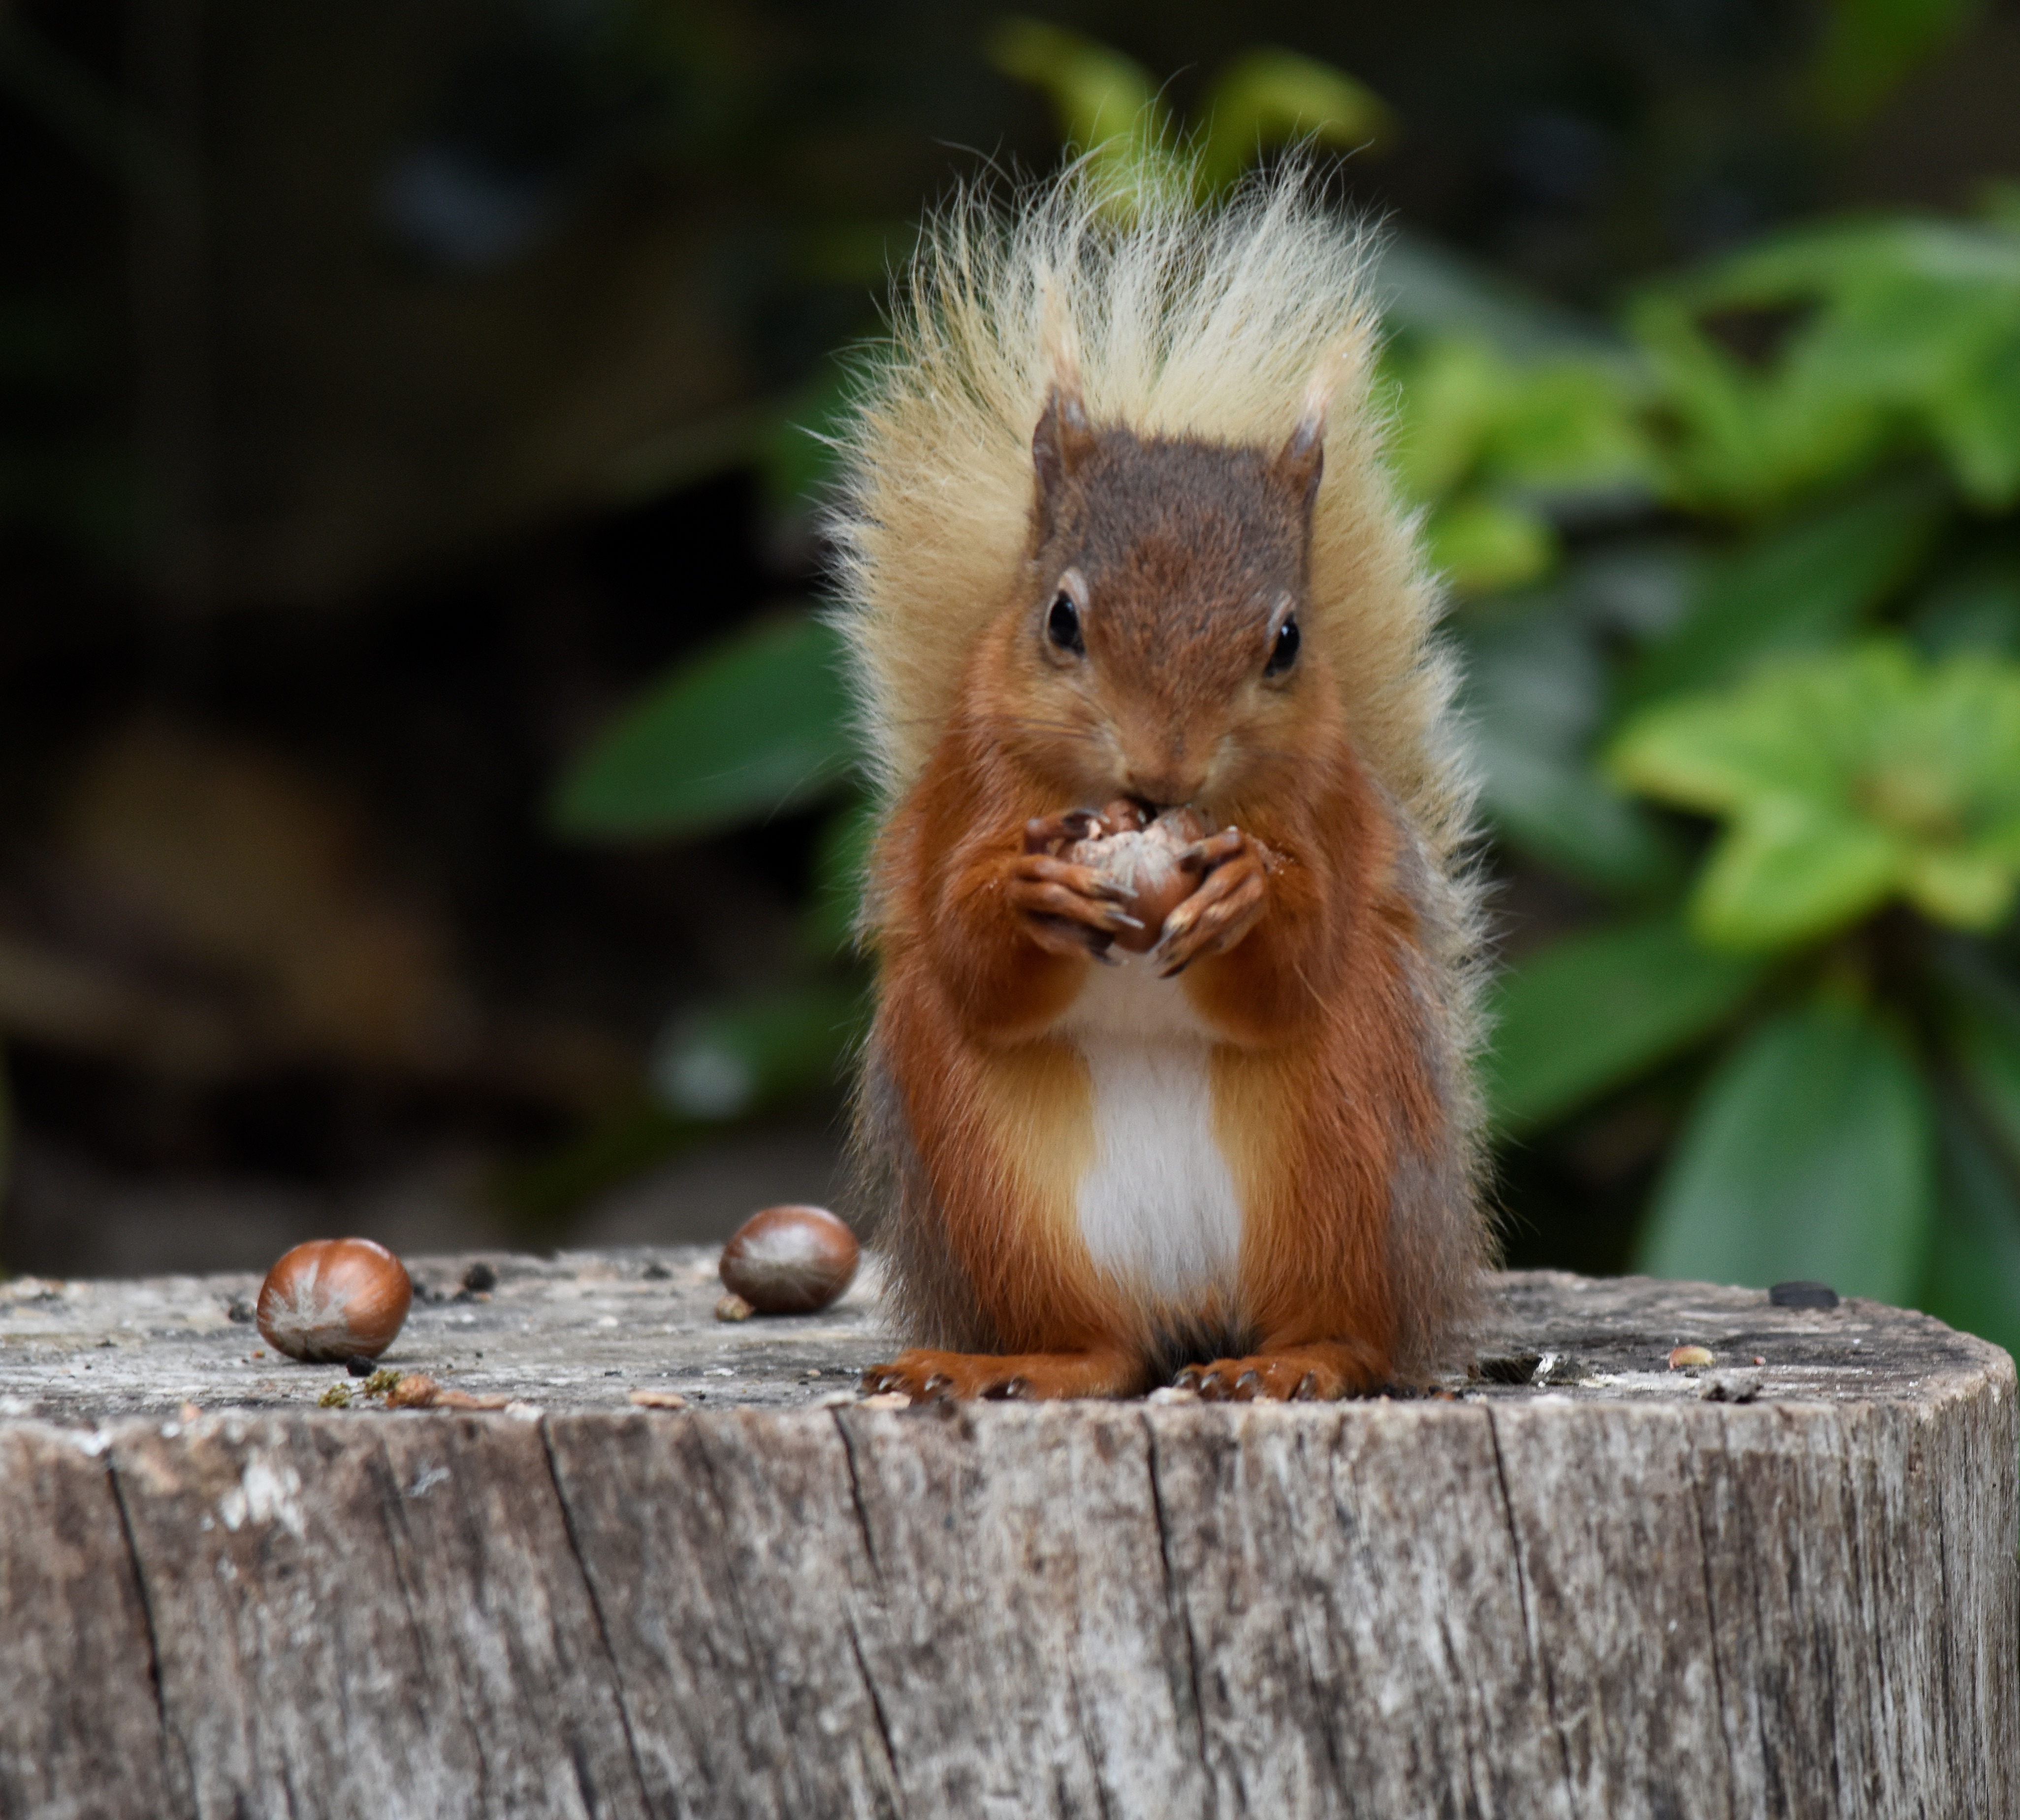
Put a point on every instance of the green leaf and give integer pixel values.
(1799, 588)
(1562, 424)
(1535, 689)
(1901, 329)
(1974, 607)
(1719, 453)
(1787, 874)
(1847, 778)
(1449, 398)
(1719, 753)
(1986, 1040)
(798, 459)
(757, 724)
(1873, 46)
(842, 863)
(1108, 108)
(1569, 427)
(1976, 418)
(1271, 97)
(1431, 292)
(1810, 1153)
(1559, 811)
(1973, 1279)
(1966, 890)
(1598, 1009)
(721, 1063)
(1100, 94)
(1483, 543)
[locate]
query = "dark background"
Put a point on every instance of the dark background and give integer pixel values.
(390, 393)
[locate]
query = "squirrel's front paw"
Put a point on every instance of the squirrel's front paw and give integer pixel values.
(1067, 909)
(1261, 1380)
(927, 1377)
(930, 1376)
(1308, 1374)
(1225, 905)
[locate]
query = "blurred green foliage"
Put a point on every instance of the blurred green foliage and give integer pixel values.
(1829, 684)
(755, 726)
(1737, 580)
(1110, 112)
(1846, 780)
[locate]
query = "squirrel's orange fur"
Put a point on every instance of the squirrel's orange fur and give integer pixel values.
(1105, 460)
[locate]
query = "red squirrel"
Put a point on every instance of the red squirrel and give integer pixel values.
(1116, 531)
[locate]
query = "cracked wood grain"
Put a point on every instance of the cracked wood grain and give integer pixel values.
(78, 1688)
(1571, 1588)
(376, 1620)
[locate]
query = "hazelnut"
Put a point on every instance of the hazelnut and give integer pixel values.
(334, 1299)
(790, 1260)
(1144, 861)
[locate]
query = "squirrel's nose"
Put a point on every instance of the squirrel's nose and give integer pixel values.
(1164, 789)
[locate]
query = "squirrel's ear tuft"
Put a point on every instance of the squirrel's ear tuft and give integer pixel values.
(1062, 440)
(1302, 460)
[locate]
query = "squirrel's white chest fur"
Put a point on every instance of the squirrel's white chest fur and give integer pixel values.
(1157, 1207)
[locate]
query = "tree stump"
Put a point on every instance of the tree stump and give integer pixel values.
(1574, 1583)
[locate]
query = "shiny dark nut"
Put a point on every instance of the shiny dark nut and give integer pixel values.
(790, 1260)
(334, 1299)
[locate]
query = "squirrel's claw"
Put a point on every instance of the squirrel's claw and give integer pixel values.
(1310, 1373)
(1225, 905)
(1211, 850)
(1069, 909)
(1212, 920)
(1048, 834)
(932, 1376)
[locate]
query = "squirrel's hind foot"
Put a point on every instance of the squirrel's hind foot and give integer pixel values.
(928, 1377)
(1314, 1373)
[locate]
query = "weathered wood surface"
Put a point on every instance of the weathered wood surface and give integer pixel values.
(1582, 1584)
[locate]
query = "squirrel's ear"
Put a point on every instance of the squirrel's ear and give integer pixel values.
(1301, 460)
(1062, 440)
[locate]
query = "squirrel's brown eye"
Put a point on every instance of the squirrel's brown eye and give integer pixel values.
(1284, 652)
(1063, 626)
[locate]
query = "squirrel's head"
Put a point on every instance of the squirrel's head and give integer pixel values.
(1156, 641)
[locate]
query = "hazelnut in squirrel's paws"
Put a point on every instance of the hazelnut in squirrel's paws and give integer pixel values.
(1179, 1083)
(1146, 860)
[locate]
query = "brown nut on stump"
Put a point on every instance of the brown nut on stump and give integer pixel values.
(790, 1260)
(1144, 861)
(334, 1299)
